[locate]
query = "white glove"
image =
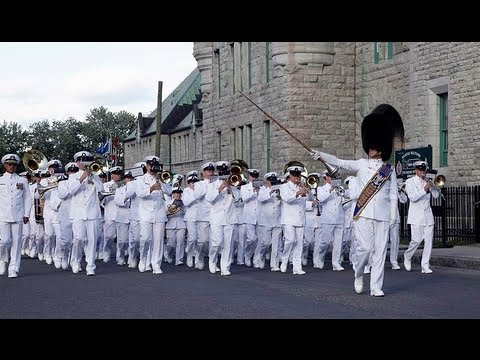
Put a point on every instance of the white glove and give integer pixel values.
(315, 154)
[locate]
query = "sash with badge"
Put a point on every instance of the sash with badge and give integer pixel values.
(371, 188)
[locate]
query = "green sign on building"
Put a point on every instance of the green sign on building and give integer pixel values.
(405, 158)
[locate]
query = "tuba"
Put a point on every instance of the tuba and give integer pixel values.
(34, 160)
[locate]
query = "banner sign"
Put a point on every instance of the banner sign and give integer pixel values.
(405, 158)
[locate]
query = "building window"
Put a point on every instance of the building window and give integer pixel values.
(443, 120)
(232, 49)
(268, 46)
(376, 52)
(249, 145)
(234, 144)
(249, 62)
(217, 57)
(389, 50)
(219, 144)
(266, 130)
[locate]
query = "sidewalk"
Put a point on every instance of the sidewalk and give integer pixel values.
(460, 256)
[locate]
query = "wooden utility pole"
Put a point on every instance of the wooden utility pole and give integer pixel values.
(158, 133)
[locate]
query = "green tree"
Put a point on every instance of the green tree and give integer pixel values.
(102, 124)
(13, 139)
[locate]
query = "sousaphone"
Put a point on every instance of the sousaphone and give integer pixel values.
(34, 160)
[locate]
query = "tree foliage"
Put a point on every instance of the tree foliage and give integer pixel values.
(62, 139)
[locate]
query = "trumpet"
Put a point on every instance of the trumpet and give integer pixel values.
(94, 168)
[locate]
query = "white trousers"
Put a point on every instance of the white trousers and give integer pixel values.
(331, 233)
(152, 235)
(11, 244)
(394, 243)
(293, 236)
(220, 237)
(371, 240)
(86, 232)
(421, 233)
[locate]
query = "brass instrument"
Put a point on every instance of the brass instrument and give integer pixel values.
(177, 181)
(94, 167)
(166, 177)
(174, 207)
(111, 189)
(437, 181)
(237, 172)
(34, 160)
(52, 184)
(312, 182)
(39, 204)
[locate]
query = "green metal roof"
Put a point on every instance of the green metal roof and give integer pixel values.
(176, 106)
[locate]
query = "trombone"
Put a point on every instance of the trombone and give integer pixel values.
(313, 181)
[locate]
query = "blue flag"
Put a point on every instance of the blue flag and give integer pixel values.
(104, 148)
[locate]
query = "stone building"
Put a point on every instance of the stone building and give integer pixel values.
(320, 92)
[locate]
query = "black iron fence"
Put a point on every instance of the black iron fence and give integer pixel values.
(456, 213)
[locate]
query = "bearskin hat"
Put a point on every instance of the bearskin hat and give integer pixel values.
(378, 129)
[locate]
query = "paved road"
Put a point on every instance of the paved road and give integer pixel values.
(118, 292)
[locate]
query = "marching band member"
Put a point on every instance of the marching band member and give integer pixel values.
(190, 204)
(15, 204)
(152, 214)
(26, 227)
(36, 231)
(66, 231)
(203, 214)
(269, 225)
(249, 196)
(221, 215)
(375, 208)
(331, 221)
(110, 212)
(122, 221)
(85, 210)
(52, 249)
(312, 225)
(394, 233)
(420, 216)
(175, 226)
(293, 195)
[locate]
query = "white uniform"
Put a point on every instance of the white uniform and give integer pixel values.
(134, 227)
(109, 218)
(331, 220)
(221, 217)
(292, 219)
(394, 234)
(203, 222)
(153, 216)
(15, 204)
(420, 217)
(373, 224)
(175, 232)
(66, 232)
(122, 223)
(269, 225)
(85, 215)
(190, 218)
(249, 197)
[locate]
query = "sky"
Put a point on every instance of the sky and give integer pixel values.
(59, 80)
